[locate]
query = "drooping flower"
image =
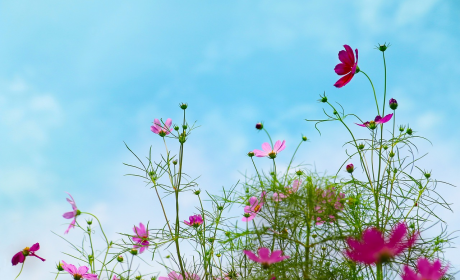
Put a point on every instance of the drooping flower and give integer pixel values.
(426, 271)
(175, 276)
(347, 67)
(289, 190)
(254, 207)
(20, 256)
(79, 273)
(378, 120)
(159, 129)
(266, 258)
(268, 151)
(350, 168)
(72, 214)
(194, 221)
(373, 248)
(141, 238)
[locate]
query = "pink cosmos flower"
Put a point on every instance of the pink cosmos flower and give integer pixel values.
(72, 214)
(266, 258)
(427, 271)
(293, 189)
(378, 120)
(350, 168)
(375, 249)
(80, 273)
(141, 238)
(115, 278)
(194, 221)
(20, 256)
(347, 67)
(175, 276)
(159, 129)
(268, 151)
(254, 207)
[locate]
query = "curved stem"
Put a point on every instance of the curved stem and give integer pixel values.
(20, 271)
(375, 96)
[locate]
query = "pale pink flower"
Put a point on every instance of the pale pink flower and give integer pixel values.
(373, 248)
(266, 258)
(426, 271)
(195, 221)
(268, 151)
(115, 278)
(289, 190)
(175, 276)
(20, 256)
(79, 273)
(254, 207)
(72, 214)
(159, 129)
(141, 238)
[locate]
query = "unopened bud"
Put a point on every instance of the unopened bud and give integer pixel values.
(138, 277)
(409, 131)
(176, 128)
(401, 128)
(427, 175)
(59, 267)
(314, 235)
(393, 104)
(183, 106)
(133, 252)
(175, 161)
(227, 233)
(251, 154)
(299, 172)
(385, 147)
(220, 207)
(247, 215)
(391, 154)
(218, 255)
(197, 192)
(259, 126)
(168, 256)
(184, 126)
(89, 222)
(361, 146)
(304, 138)
(350, 168)
(120, 258)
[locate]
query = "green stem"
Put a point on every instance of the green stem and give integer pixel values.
(20, 271)
(375, 96)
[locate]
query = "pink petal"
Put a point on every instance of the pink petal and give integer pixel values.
(250, 218)
(280, 147)
(350, 54)
(251, 256)
(35, 247)
(71, 225)
(385, 119)
(342, 69)
(259, 153)
(266, 147)
(69, 215)
(82, 270)
(253, 201)
(409, 274)
(70, 268)
(142, 228)
(168, 123)
(363, 125)
(344, 80)
(345, 59)
(155, 129)
(397, 235)
(18, 258)
(264, 253)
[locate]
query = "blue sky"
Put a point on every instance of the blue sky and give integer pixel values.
(79, 78)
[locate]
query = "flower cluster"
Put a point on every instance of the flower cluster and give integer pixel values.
(328, 202)
(278, 196)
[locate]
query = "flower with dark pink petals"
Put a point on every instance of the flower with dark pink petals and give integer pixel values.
(141, 238)
(373, 248)
(194, 221)
(348, 66)
(289, 191)
(254, 207)
(79, 273)
(378, 120)
(426, 271)
(160, 129)
(266, 258)
(20, 256)
(72, 214)
(175, 276)
(268, 151)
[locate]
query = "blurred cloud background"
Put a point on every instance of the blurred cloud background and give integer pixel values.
(78, 78)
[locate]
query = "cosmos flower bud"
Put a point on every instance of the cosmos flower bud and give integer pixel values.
(251, 154)
(138, 277)
(383, 47)
(401, 128)
(218, 255)
(89, 222)
(220, 207)
(385, 147)
(183, 106)
(133, 252)
(184, 126)
(323, 99)
(299, 172)
(227, 233)
(175, 161)
(304, 138)
(393, 104)
(120, 258)
(197, 192)
(176, 128)
(350, 168)
(361, 146)
(59, 267)
(391, 154)
(246, 215)
(409, 131)
(427, 175)
(259, 126)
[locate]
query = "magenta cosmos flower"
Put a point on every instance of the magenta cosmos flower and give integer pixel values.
(378, 120)
(78, 273)
(289, 190)
(426, 271)
(347, 67)
(141, 238)
(254, 207)
(20, 256)
(373, 248)
(159, 129)
(268, 151)
(175, 276)
(194, 221)
(72, 214)
(266, 258)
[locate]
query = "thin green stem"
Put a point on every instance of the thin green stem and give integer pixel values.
(375, 95)
(20, 271)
